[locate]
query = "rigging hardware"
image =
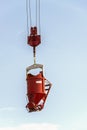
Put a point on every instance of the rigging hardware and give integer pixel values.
(38, 86)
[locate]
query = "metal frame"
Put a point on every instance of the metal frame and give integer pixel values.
(34, 66)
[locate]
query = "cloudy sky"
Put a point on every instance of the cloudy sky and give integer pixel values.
(63, 53)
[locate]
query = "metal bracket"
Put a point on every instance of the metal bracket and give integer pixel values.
(34, 66)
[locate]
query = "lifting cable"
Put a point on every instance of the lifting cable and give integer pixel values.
(29, 10)
(38, 86)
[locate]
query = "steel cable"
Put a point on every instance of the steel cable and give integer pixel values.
(39, 19)
(29, 14)
(36, 13)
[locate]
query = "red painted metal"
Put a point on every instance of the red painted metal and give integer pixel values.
(38, 86)
(37, 91)
(34, 39)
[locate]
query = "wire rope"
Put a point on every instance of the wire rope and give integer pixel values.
(30, 12)
(36, 13)
(29, 15)
(39, 19)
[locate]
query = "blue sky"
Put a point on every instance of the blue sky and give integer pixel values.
(63, 53)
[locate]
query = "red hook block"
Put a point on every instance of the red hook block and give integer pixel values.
(34, 39)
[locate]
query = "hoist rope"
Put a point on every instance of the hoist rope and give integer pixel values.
(29, 15)
(36, 13)
(29, 20)
(39, 20)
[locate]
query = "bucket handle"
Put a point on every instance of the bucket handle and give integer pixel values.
(34, 66)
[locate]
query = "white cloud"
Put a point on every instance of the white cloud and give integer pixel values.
(36, 126)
